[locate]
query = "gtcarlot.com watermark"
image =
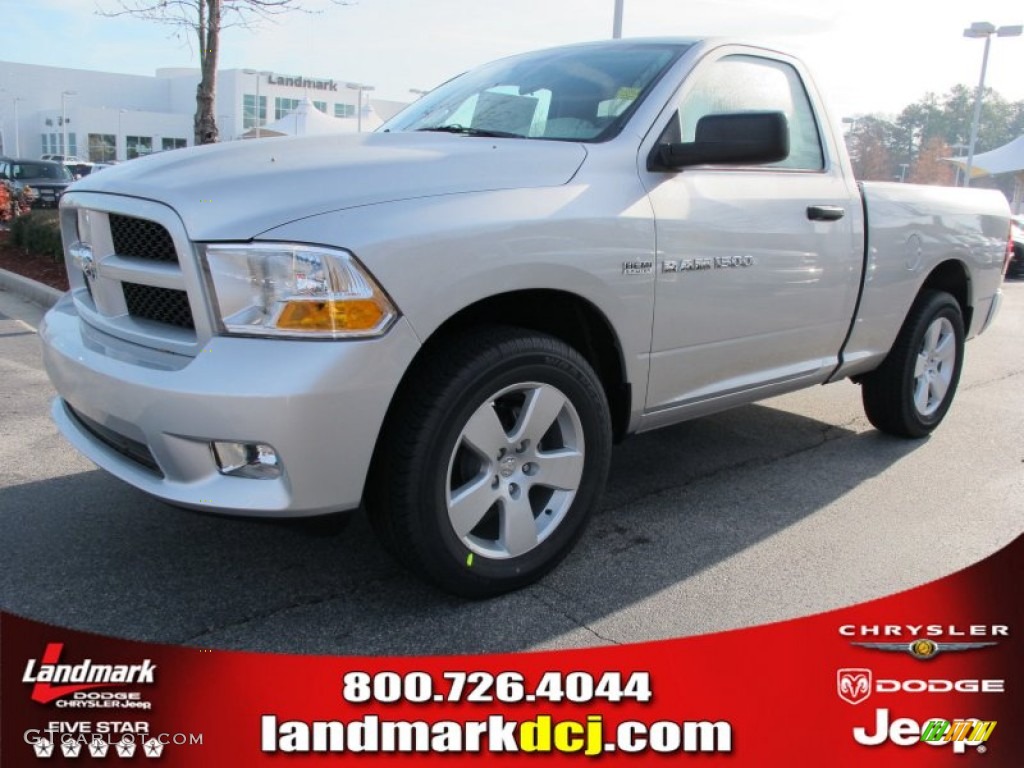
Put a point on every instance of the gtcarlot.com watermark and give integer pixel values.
(100, 739)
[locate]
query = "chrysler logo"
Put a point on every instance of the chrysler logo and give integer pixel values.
(853, 685)
(923, 648)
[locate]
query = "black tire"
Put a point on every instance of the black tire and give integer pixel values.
(467, 397)
(910, 392)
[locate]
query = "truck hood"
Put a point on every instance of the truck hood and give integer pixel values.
(239, 189)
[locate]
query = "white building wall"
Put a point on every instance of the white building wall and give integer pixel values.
(96, 102)
(160, 107)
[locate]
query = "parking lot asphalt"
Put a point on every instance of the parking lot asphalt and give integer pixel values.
(781, 509)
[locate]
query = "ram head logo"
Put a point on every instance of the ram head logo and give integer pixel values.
(853, 685)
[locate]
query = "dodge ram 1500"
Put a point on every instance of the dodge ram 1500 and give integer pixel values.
(450, 320)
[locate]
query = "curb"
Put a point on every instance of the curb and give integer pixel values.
(41, 294)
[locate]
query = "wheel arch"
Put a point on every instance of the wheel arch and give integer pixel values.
(564, 315)
(953, 277)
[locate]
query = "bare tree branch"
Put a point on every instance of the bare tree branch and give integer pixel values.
(205, 19)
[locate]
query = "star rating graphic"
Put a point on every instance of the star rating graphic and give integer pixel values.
(98, 747)
(71, 748)
(43, 748)
(153, 748)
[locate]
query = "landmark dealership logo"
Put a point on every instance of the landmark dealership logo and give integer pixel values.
(52, 680)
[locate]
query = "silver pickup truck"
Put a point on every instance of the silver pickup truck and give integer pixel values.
(451, 320)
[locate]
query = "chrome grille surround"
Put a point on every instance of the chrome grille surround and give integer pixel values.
(143, 296)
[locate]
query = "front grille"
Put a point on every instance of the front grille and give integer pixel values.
(161, 305)
(48, 193)
(47, 197)
(147, 285)
(132, 449)
(141, 239)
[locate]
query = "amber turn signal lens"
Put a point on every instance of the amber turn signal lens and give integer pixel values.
(344, 315)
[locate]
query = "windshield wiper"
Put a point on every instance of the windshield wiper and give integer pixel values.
(464, 130)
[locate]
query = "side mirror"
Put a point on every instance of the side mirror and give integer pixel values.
(741, 138)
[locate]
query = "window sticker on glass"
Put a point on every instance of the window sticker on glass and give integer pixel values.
(504, 112)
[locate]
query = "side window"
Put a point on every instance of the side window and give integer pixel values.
(748, 84)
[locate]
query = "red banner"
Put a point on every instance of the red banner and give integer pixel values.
(929, 677)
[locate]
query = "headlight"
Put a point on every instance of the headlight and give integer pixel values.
(278, 289)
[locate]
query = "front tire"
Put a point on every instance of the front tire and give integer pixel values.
(910, 393)
(491, 461)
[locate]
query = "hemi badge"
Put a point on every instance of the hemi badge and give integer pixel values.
(637, 267)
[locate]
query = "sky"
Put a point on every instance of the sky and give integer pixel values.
(868, 56)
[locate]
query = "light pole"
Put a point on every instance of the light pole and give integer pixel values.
(17, 142)
(117, 143)
(418, 93)
(64, 120)
(617, 22)
(257, 73)
(959, 149)
(986, 30)
(359, 88)
(6, 150)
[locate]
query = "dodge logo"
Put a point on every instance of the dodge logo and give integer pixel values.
(82, 256)
(853, 685)
(89, 265)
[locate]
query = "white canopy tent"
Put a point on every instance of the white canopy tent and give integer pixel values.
(307, 120)
(1008, 158)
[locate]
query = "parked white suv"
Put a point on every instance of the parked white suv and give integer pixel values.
(63, 158)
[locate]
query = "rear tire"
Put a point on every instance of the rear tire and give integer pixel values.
(491, 461)
(910, 392)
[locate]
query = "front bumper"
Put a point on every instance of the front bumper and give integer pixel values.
(320, 405)
(47, 197)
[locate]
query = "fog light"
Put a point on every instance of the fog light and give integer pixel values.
(254, 461)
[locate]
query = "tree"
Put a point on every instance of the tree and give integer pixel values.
(870, 144)
(206, 19)
(948, 120)
(929, 130)
(931, 167)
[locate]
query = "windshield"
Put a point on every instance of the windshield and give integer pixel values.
(41, 171)
(583, 93)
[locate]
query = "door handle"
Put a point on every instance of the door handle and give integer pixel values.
(825, 212)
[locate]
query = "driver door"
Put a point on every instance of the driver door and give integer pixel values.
(758, 268)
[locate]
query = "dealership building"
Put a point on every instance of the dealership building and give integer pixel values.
(104, 116)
